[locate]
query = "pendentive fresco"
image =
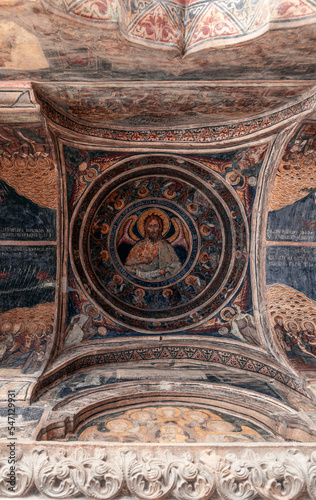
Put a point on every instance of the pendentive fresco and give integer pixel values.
(28, 247)
(290, 252)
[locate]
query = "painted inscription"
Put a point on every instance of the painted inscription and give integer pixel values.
(292, 266)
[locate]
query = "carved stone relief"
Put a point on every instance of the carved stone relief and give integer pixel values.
(176, 473)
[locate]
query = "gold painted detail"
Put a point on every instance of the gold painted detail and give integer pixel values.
(170, 424)
(291, 304)
(32, 176)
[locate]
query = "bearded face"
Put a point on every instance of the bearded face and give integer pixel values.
(153, 230)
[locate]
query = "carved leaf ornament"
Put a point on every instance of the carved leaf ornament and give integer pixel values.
(79, 473)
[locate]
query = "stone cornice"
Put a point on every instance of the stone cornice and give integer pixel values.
(149, 472)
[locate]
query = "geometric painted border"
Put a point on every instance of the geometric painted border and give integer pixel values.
(197, 135)
(208, 355)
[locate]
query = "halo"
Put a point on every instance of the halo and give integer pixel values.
(118, 278)
(148, 213)
(132, 414)
(92, 311)
(286, 325)
(219, 426)
(129, 424)
(31, 327)
(7, 324)
(176, 412)
(233, 177)
(203, 414)
(190, 276)
(41, 327)
(308, 321)
(166, 426)
(193, 208)
(17, 327)
(140, 290)
(278, 314)
(203, 257)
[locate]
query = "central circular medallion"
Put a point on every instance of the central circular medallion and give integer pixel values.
(154, 243)
(158, 246)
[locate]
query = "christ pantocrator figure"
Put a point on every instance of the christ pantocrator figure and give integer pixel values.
(153, 258)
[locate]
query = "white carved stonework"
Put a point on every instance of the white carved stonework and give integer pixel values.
(269, 472)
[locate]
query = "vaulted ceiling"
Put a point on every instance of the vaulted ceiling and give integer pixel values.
(158, 234)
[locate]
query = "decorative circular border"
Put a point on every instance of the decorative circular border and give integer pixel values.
(234, 260)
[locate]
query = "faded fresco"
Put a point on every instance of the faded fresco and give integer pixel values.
(292, 214)
(28, 190)
(28, 258)
(104, 377)
(189, 27)
(123, 104)
(171, 424)
(74, 44)
(293, 316)
(20, 49)
(291, 255)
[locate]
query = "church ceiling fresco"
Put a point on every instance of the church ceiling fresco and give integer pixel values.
(39, 44)
(153, 269)
(28, 194)
(157, 242)
(169, 424)
(151, 104)
(190, 26)
(291, 250)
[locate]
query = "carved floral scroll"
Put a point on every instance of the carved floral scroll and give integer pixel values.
(270, 473)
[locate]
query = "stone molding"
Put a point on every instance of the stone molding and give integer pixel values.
(151, 472)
